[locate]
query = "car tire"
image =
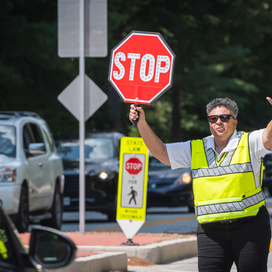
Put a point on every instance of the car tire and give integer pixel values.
(56, 210)
(22, 218)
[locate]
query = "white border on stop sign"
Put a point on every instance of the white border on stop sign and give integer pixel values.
(155, 97)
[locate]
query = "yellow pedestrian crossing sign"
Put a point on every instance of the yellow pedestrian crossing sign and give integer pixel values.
(132, 185)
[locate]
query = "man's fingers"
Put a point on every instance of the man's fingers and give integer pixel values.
(133, 115)
(269, 100)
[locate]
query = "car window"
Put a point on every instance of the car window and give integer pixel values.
(96, 149)
(27, 136)
(8, 141)
(31, 134)
(37, 133)
(49, 140)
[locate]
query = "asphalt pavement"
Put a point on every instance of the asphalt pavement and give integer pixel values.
(104, 252)
(187, 265)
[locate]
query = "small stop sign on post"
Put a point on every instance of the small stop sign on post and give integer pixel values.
(141, 67)
(134, 166)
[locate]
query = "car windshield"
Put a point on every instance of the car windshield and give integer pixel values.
(155, 164)
(96, 149)
(7, 141)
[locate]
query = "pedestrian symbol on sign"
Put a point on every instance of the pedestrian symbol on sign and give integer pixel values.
(133, 194)
(133, 175)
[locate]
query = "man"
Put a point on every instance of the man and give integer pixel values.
(234, 224)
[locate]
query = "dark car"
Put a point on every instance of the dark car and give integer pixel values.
(267, 174)
(48, 248)
(101, 171)
(167, 187)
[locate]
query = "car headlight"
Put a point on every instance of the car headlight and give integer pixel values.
(103, 175)
(184, 178)
(7, 175)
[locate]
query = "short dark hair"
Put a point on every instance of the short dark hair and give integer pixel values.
(225, 102)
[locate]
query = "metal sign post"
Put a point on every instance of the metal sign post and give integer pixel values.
(81, 122)
(84, 21)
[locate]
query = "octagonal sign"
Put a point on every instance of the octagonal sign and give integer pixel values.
(141, 67)
(134, 166)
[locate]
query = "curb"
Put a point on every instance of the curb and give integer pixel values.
(97, 263)
(156, 253)
(114, 258)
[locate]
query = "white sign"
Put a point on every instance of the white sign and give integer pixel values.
(133, 184)
(95, 28)
(94, 97)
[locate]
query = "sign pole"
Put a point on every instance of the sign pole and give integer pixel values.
(81, 122)
(82, 97)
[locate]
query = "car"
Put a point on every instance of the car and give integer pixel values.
(267, 173)
(31, 171)
(101, 171)
(48, 248)
(167, 187)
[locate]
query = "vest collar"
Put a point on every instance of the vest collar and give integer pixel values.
(232, 143)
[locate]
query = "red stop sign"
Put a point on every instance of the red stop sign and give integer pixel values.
(133, 166)
(141, 67)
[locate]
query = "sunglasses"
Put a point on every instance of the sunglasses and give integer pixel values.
(223, 117)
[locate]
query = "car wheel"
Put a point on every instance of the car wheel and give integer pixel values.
(56, 210)
(22, 220)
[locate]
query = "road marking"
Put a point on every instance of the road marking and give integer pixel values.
(161, 222)
(152, 223)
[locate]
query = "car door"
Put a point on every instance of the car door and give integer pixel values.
(38, 168)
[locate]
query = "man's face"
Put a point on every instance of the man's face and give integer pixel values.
(222, 131)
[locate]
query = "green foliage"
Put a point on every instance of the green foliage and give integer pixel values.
(222, 47)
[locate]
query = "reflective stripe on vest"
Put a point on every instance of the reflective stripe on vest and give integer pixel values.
(235, 168)
(230, 206)
(224, 186)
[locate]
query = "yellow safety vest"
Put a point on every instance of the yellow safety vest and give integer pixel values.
(224, 188)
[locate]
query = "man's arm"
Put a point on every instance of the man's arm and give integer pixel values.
(267, 134)
(153, 143)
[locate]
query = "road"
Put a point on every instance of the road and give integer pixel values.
(188, 265)
(158, 220)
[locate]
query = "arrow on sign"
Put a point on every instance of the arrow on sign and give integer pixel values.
(94, 97)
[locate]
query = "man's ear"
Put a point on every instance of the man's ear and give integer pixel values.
(236, 123)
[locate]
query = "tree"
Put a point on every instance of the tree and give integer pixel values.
(222, 48)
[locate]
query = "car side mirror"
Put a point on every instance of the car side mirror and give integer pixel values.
(36, 149)
(50, 249)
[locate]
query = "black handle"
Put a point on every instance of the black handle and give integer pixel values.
(134, 123)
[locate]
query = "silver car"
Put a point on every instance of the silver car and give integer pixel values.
(31, 172)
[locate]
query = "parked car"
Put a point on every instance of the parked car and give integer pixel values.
(101, 171)
(267, 174)
(31, 181)
(48, 248)
(167, 187)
